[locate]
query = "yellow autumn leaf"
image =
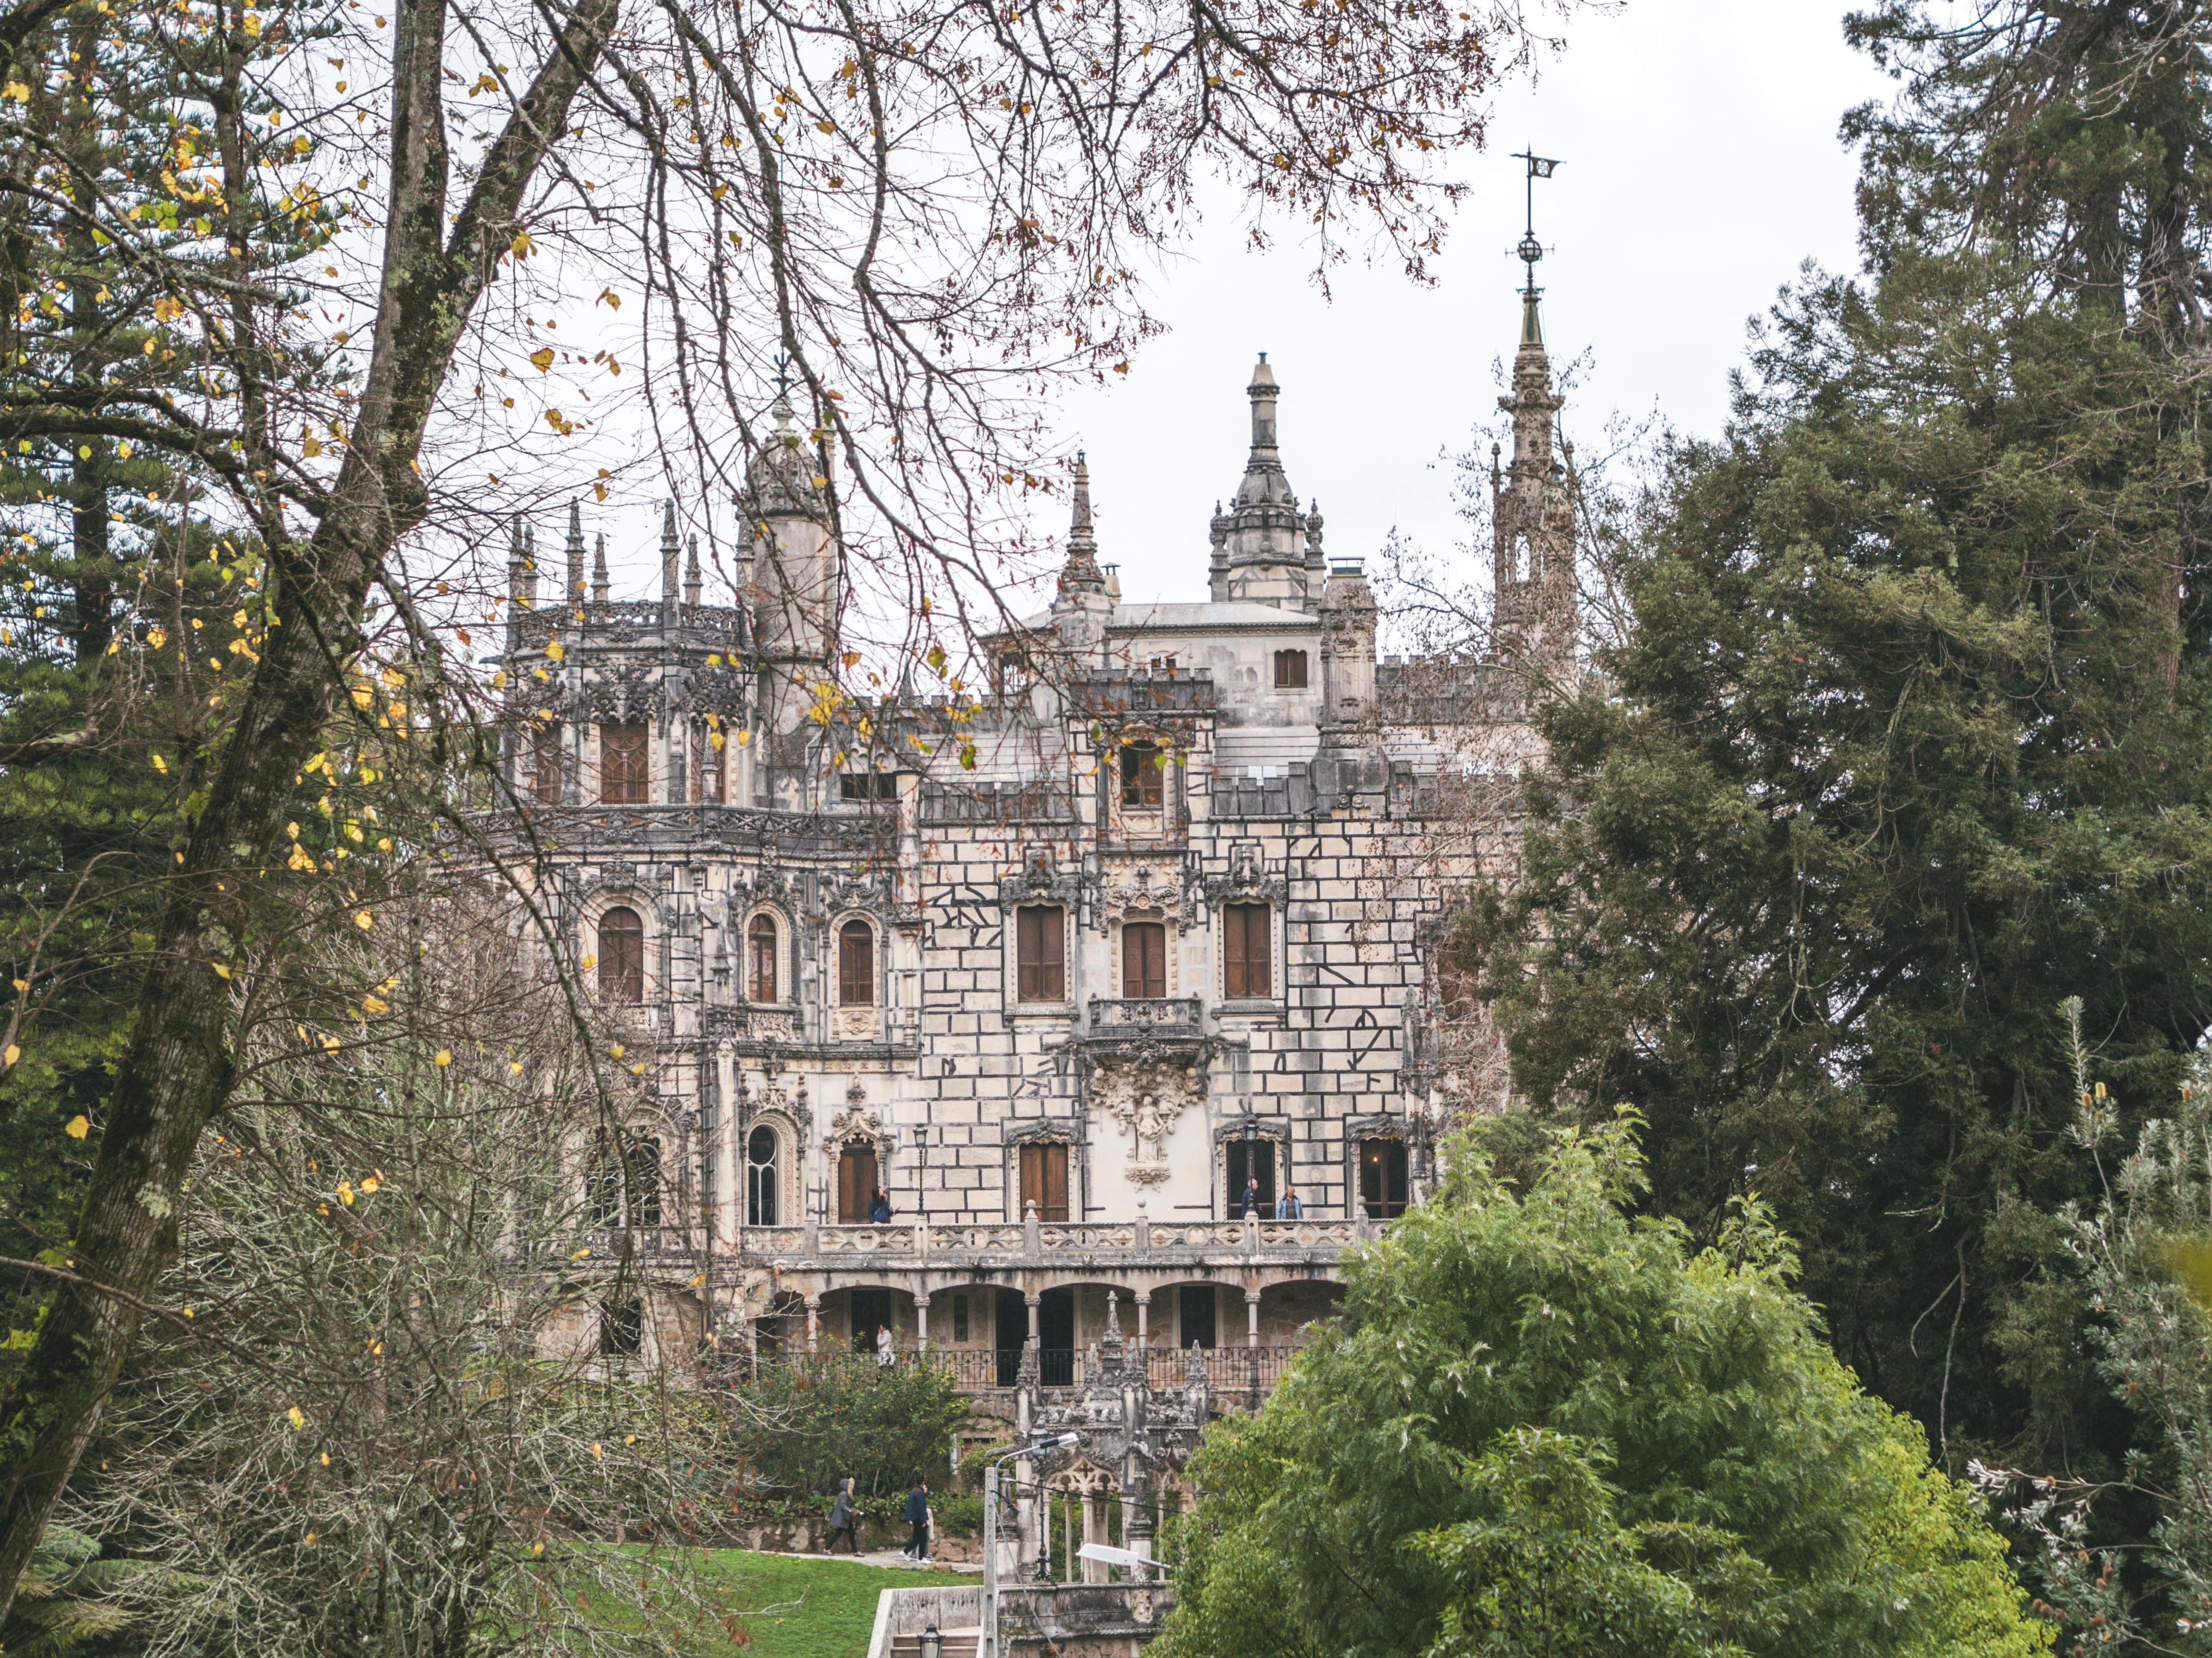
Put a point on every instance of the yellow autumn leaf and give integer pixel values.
(445, 1057)
(12, 1055)
(542, 358)
(77, 1127)
(556, 650)
(296, 1416)
(364, 919)
(514, 1067)
(161, 765)
(220, 971)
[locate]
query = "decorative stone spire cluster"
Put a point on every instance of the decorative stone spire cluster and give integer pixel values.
(1082, 608)
(1265, 549)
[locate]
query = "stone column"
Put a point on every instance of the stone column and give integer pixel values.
(1093, 1571)
(921, 1327)
(729, 1200)
(813, 1322)
(1144, 1300)
(1252, 1318)
(1033, 1302)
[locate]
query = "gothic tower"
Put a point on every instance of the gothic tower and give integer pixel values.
(1081, 608)
(1532, 519)
(794, 591)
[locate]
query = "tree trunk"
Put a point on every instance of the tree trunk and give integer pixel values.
(177, 1071)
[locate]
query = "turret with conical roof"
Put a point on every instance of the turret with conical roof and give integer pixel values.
(1265, 550)
(796, 592)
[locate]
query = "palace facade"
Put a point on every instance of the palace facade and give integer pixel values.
(1161, 955)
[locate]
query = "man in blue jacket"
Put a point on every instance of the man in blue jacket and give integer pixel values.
(917, 1516)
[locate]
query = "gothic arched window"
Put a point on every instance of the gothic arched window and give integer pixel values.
(856, 964)
(760, 959)
(621, 955)
(760, 1171)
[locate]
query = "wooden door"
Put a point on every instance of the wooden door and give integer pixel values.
(856, 1183)
(1145, 960)
(1044, 1182)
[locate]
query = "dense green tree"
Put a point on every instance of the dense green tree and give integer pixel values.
(1544, 1425)
(1906, 746)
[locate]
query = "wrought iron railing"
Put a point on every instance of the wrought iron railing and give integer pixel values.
(1230, 1371)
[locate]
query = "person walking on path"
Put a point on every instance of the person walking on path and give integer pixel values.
(885, 1356)
(917, 1516)
(1287, 1207)
(845, 1520)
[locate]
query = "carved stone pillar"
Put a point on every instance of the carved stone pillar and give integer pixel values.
(813, 1322)
(729, 1200)
(921, 1327)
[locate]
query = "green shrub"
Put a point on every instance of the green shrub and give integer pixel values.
(883, 1426)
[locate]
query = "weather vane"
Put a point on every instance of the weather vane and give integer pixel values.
(782, 374)
(1531, 250)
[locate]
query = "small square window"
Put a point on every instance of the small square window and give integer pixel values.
(1289, 671)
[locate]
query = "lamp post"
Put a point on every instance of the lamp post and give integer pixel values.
(932, 1644)
(988, 1647)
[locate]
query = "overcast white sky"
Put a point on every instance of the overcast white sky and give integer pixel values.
(1699, 168)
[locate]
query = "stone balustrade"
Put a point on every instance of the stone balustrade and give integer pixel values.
(1053, 1244)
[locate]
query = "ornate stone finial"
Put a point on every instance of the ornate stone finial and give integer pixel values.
(599, 568)
(575, 551)
(691, 576)
(1082, 573)
(670, 551)
(1114, 1317)
(1195, 1376)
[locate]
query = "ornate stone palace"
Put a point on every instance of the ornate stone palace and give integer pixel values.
(1160, 950)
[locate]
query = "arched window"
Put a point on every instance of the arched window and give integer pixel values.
(760, 959)
(621, 955)
(760, 1188)
(856, 964)
(636, 1184)
(1382, 1178)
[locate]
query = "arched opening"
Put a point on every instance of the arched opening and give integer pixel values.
(760, 960)
(856, 964)
(1382, 1184)
(1144, 777)
(621, 955)
(762, 1173)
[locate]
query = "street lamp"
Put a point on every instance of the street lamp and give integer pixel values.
(932, 1644)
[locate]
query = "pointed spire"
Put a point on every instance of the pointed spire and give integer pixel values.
(575, 551)
(691, 576)
(598, 568)
(1532, 320)
(1082, 572)
(670, 552)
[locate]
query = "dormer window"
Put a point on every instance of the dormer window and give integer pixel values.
(1289, 671)
(1144, 773)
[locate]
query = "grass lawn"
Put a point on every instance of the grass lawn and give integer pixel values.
(827, 1607)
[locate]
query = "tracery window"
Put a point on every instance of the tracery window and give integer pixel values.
(1041, 953)
(761, 959)
(856, 964)
(1248, 953)
(622, 768)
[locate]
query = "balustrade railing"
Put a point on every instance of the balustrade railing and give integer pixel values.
(911, 1241)
(1231, 1371)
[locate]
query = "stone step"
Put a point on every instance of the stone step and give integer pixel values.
(958, 1644)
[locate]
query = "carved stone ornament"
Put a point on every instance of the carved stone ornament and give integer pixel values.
(1040, 880)
(1146, 1100)
(859, 1123)
(1246, 878)
(855, 1024)
(1155, 885)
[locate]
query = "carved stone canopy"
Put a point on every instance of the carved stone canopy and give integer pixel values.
(1040, 879)
(1153, 885)
(860, 1122)
(1248, 879)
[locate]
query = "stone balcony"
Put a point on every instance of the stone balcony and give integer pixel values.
(1110, 1246)
(1138, 1023)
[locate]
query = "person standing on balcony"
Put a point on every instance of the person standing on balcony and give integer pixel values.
(845, 1520)
(1287, 1207)
(885, 1356)
(879, 1208)
(1252, 1198)
(917, 1516)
